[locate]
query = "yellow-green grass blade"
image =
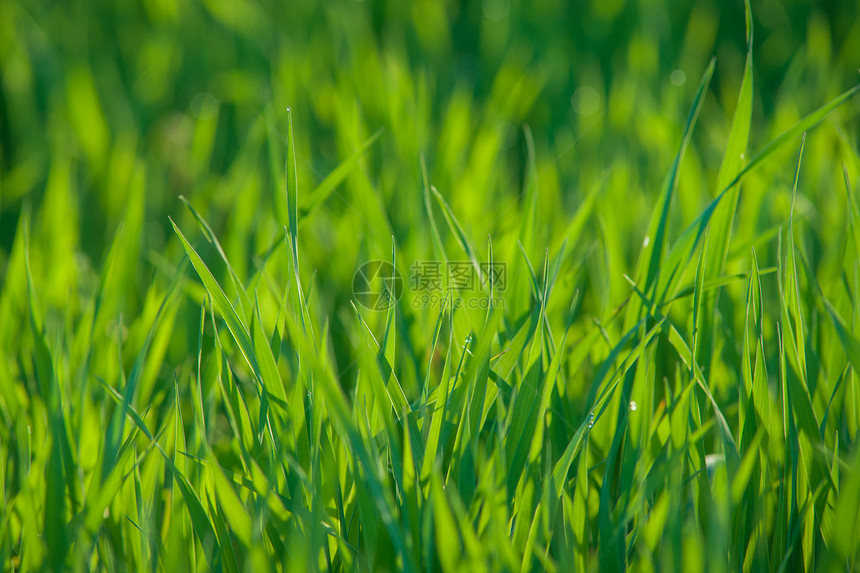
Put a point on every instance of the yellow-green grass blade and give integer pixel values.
(733, 161)
(292, 192)
(458, 232)
(438, 246)
(686, 356)
(209, 235)
(228, 313)
(853, 212)
(601, 401)
(653, 250)
(684, 247)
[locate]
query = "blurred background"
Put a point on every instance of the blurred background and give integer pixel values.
(109, 111)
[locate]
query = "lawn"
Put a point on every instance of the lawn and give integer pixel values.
(429, 286)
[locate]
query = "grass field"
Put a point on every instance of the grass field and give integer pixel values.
(386, 285)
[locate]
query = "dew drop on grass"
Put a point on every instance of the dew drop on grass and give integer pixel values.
(468, 340)
(632, 406)
(590, 421)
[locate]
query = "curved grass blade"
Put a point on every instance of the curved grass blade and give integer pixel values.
(244, 301)
(653, 250)
(292, 193)
(219, 300)
(459, 234)
(686, 244)
(434, 230)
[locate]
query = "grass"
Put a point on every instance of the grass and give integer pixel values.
(666, 378)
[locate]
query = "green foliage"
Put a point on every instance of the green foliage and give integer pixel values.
(666, 380)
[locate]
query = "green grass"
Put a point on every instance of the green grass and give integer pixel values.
(668, 380)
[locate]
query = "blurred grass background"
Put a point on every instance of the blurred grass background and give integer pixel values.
(110, 111)
(178, 90)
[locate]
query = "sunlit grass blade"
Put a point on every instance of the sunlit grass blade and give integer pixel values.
(795, 131)
(684, 247)
(733, 160)
(686, 355)
(54, 529)
(438, 246)
(853, 211)
(653, 251)
(292, 192)
(222, 304)
(244, 301)
(458, 232)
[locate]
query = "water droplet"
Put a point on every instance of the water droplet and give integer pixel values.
(647, 241)
(590, 421)
(632, 406)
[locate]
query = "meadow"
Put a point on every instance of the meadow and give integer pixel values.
(429, 286)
